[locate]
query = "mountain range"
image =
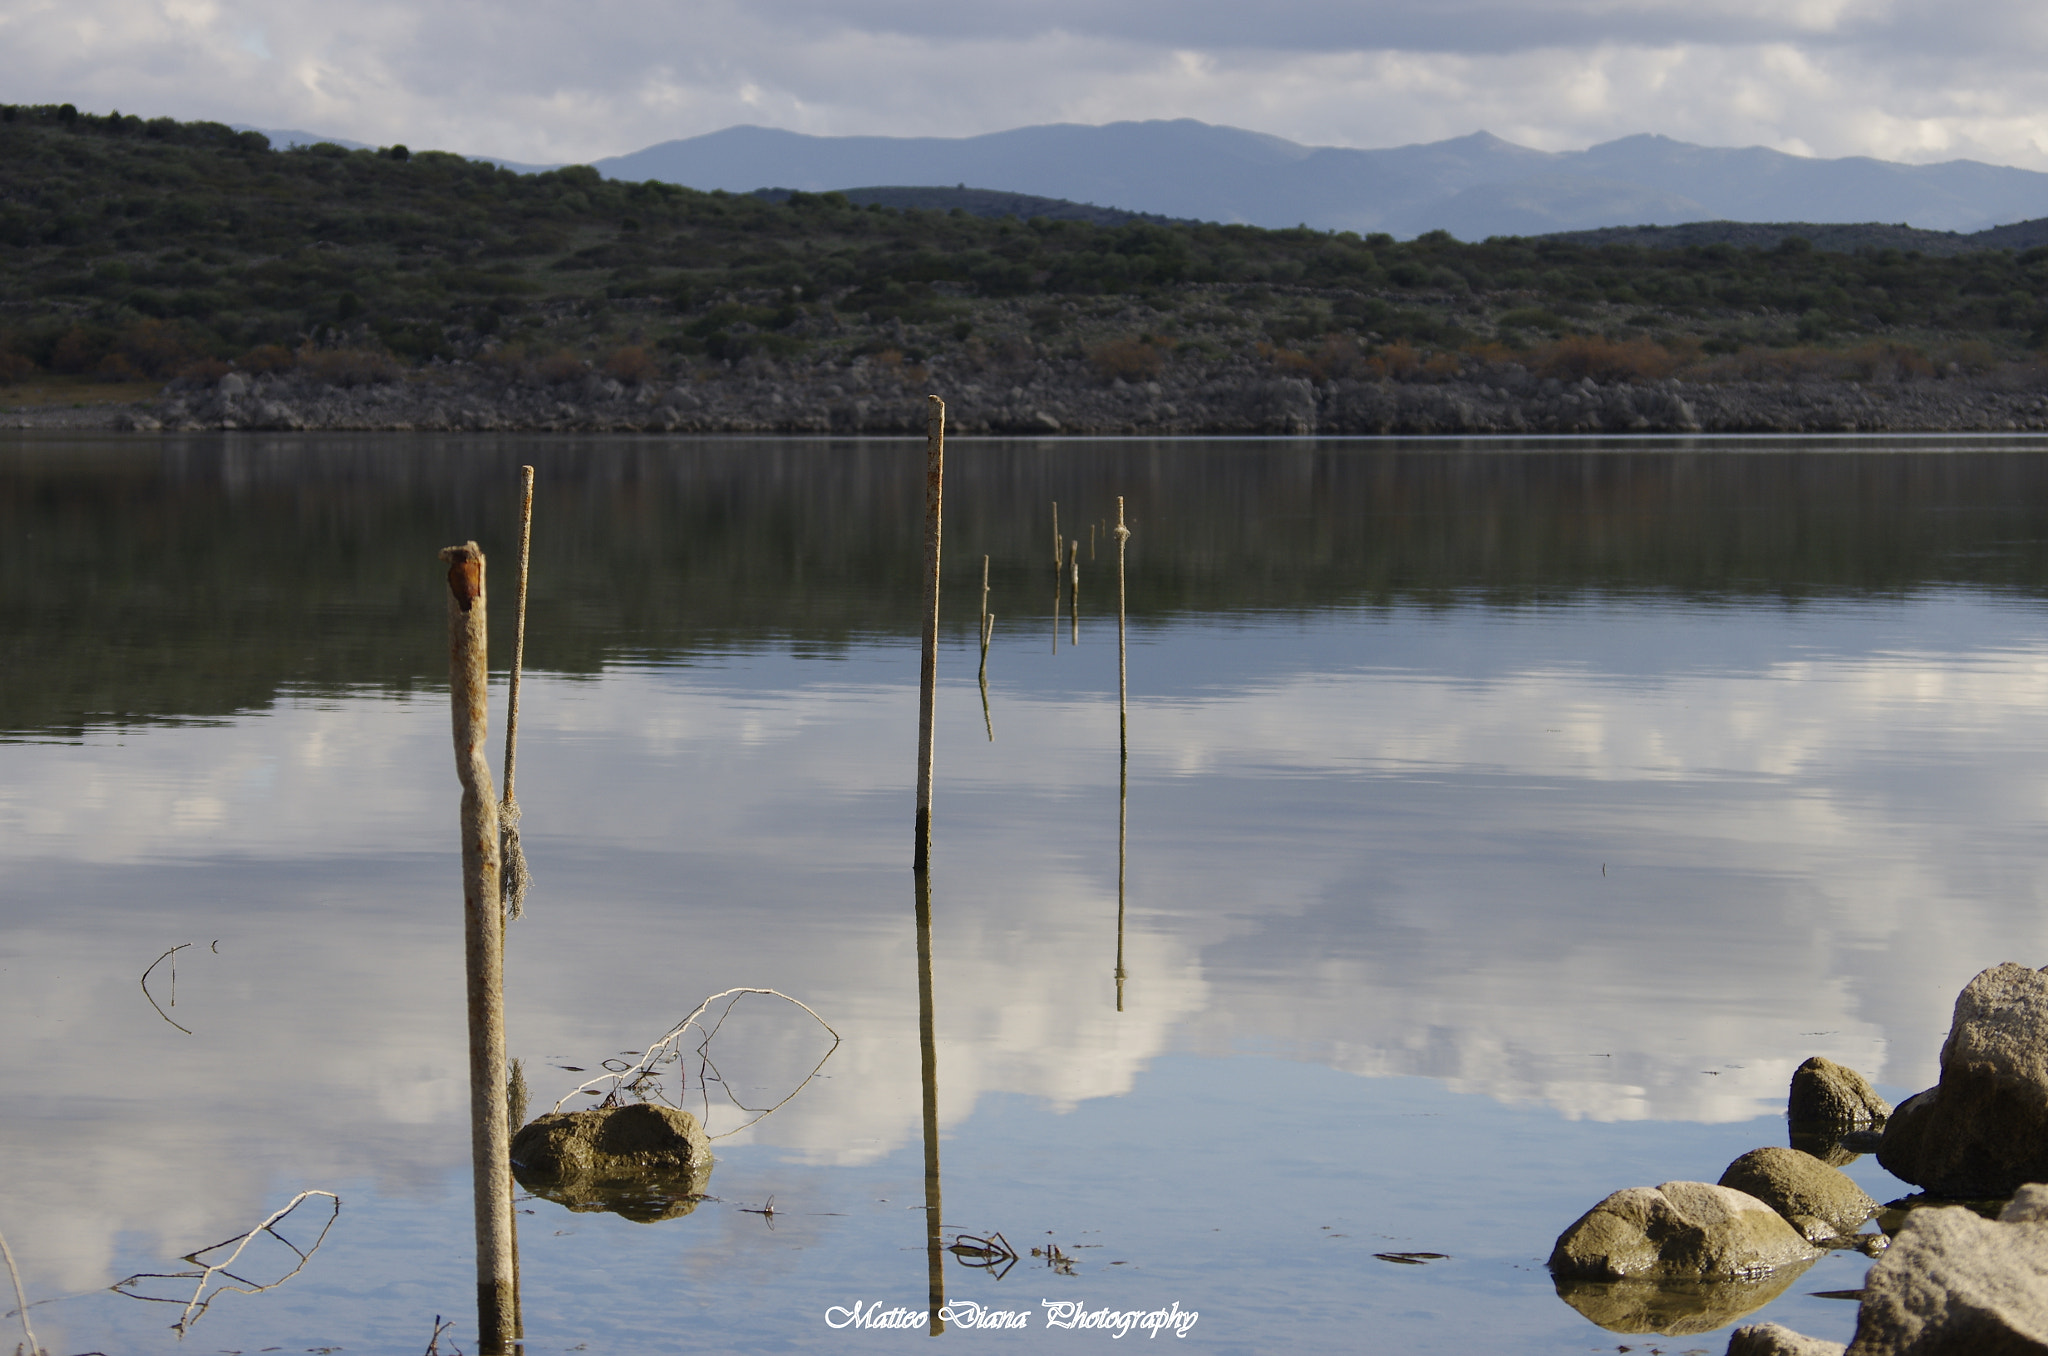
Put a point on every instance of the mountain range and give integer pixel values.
(1472, 186)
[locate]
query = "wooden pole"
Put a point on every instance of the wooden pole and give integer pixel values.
(1123, 535)
(483, 940)
(1059, 543)
(928, 1061)
(1123, 743)
(928, 677)
(1074, 610)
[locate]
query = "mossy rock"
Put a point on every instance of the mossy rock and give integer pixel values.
(642, 1162)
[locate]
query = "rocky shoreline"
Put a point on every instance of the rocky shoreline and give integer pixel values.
(1063, 396)
(1962, 1267)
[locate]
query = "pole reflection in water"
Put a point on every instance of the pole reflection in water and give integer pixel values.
(1123, 749)
(929, 1059)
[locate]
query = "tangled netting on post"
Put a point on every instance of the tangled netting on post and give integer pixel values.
(642, 1079)
(513, 877)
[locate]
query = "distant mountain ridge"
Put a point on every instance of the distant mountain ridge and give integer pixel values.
(1473, 186)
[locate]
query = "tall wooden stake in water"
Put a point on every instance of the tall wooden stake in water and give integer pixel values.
(928, 677)
(988, 630)
(1074, 611)
(928, 1059)
(512, 856)
(483, 941)
(1123, 742)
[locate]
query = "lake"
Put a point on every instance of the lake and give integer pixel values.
(1504, 821)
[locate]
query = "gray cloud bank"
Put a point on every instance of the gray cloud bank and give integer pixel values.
(550, 84)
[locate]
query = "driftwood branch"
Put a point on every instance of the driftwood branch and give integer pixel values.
(200, 1302)
(174, 986)
(638, 1078)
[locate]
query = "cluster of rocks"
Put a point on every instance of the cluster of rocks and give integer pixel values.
(1687, 1256)
(1050, 396)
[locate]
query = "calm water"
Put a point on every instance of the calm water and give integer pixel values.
(1505, 824)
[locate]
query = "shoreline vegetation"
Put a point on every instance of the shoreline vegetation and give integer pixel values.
(167, 275)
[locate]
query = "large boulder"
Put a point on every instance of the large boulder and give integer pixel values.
(1680, 1230)
(1827, 1094)
(1774, 1339)
(1814, 1198)
(644, 1162)
(1955, 1282)
(1983, 1129)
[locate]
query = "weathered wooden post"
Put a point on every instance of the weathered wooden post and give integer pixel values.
(928, 677)
(483, 941)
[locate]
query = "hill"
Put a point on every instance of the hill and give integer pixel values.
(135, 249)
(1844, 238)
(982, 202)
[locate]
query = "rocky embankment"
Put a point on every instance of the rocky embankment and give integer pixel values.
(1052, 396)
(1962, 1268)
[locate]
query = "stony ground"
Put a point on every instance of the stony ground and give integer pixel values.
(1055, 397)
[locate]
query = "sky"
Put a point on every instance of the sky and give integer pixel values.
(548, 82)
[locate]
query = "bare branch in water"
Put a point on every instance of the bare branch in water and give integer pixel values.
(20, 1299)
(640, 1078)
(201, 1301)
(174, 985)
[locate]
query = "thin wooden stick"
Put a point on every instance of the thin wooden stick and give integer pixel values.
(1123, 536)
(928, 1063)
(1123, 743)
(1074, 612)
(928, 677)
(20, 1299)
(515, 877)
(483, 944)
(988, 631)
(1059, 546)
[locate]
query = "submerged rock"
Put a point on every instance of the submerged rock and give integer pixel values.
(1818, 1201)
(1955, 1282)
(1775, 1339)
(1983, 1129)
(1680, 1230)
(644, 1162)
(1825, 1093)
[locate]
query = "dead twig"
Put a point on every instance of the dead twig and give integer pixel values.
(20, 1299)
(992, 1254)
(200, 1302)
(641, 1080)
(174, 985)
(434, 1342)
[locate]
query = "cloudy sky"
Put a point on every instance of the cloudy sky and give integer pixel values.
(552, 82)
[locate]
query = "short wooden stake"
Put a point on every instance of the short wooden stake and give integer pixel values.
(483, 940)
(928, 675)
